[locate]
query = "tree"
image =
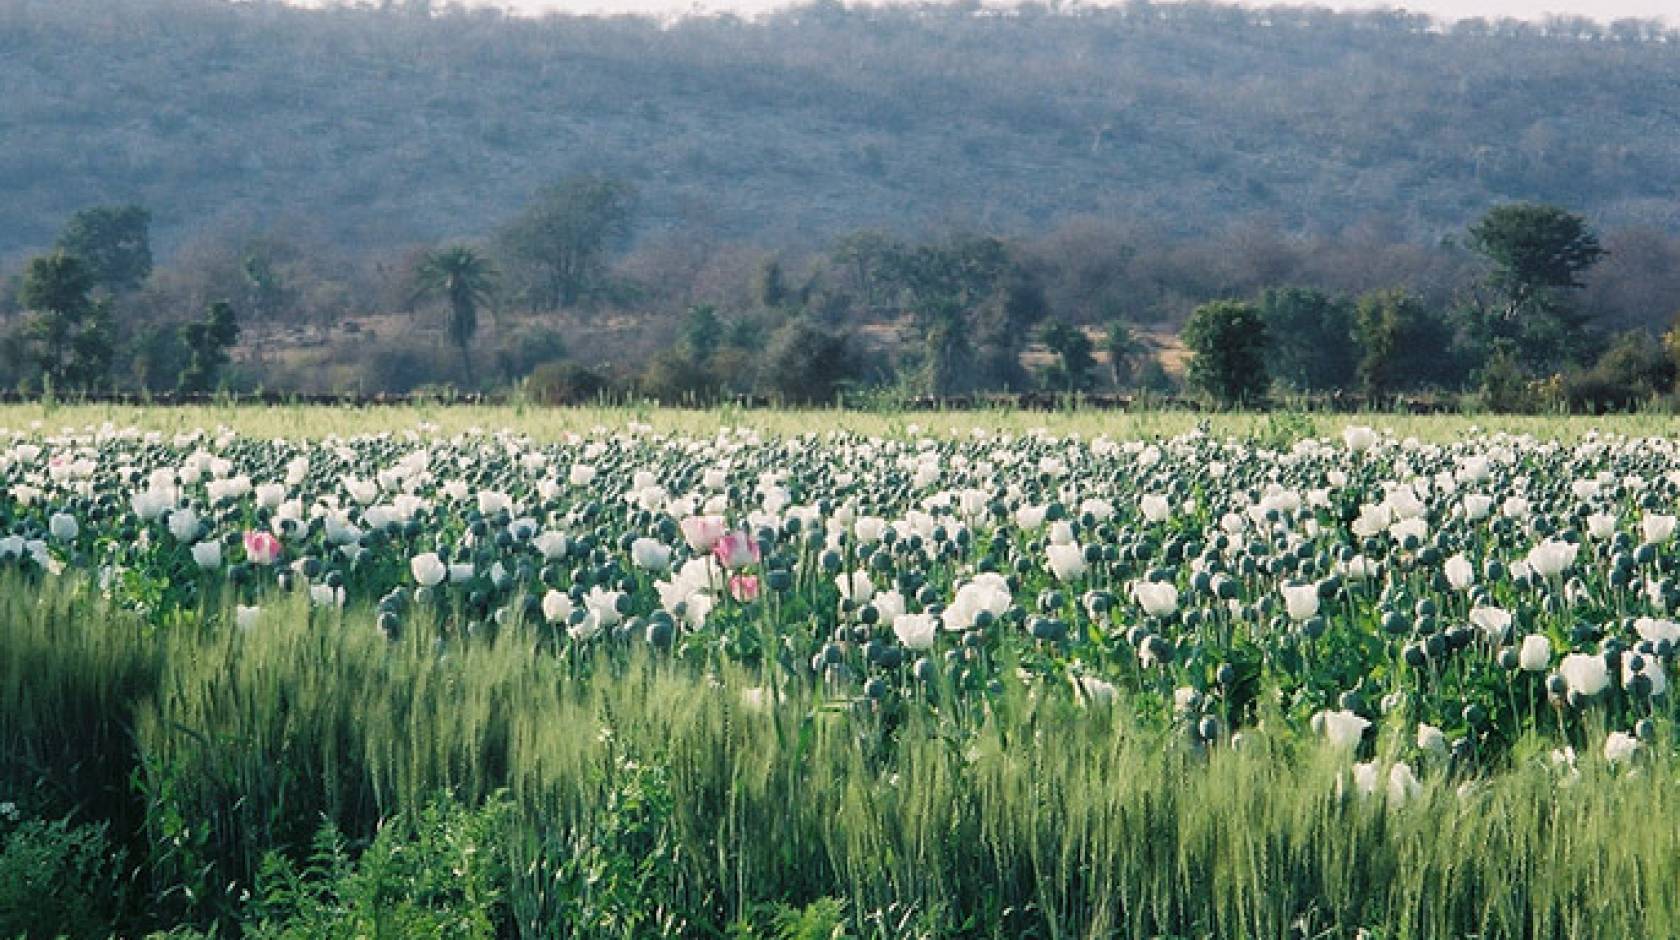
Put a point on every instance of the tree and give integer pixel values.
(772, 289)
(1072, 349)
(466, 280)
(113, 242)
(1311, 336)
(1403, 345)
(1123, 347)
(156, 356)
(702, 331)
(863, 258)
(69, 333)
(1227, 342)
(971, 303)
(1537, 254)
(564, 236)
(207, 343)
(1534, 249)
(266, 290)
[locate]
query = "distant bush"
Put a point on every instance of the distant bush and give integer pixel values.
(1506, 388)
(564, 383)
(806, 363)
(732, 371)
(1634, 370)
(401, 368)
(522, 349)
(674, 376)
(1151, 376)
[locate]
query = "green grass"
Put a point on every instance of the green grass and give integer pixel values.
(627, 795)
(545, 423)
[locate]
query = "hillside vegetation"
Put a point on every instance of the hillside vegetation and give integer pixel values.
(390, 125)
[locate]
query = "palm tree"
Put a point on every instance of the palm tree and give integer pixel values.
(1123, 347)
(465, 278)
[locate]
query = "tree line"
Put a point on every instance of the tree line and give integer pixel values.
(1519, 336)
(1515, 311)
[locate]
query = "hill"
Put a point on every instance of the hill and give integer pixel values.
(377, 127)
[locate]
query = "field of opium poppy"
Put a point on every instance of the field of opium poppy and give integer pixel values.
(615, 674)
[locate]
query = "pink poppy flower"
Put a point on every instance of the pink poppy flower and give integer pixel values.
(262, 548)
(703, 532)
(744, 588)
(736, 550)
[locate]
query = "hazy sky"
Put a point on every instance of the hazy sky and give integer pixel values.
(1448, 9)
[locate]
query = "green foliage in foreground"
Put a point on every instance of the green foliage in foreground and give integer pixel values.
(308, 777)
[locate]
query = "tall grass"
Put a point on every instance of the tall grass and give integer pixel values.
(648, 797)
(545, 423)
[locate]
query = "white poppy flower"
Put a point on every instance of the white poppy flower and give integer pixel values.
(1067, 561)
(915, 631)
(1535, 654)
(427, 569)
(1343, 729)
(207, 554)
(1300, 601)
(1584, 673)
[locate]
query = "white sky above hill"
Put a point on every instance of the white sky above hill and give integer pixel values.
(1605, 10)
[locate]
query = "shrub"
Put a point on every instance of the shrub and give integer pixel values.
(57, 880)
(806, 363)
(1151, 375)
(523, 349)
(1634, 370)
(674, 376)
(434, 873)
(564, 383)
(1505, 387)
(732, 371)
(401, 368)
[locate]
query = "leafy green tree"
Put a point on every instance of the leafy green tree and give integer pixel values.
(1227, 341)
(466, 280)
(208, 342)
(1002, 324)
(114, 242)
(69, 334)
(744, 332)
(972, 305)
(1404, 346)
(564, 236)
(1534, 249)
(702, 331)
(1124, 349)
(1072, 349)
(156, 356)
(1537, 255)
(1311, 338)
